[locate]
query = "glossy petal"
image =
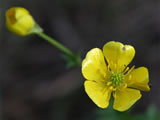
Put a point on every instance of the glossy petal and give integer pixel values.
(118, 55)
(98, 92)
(138, 78)
(125, 98)
(93, 66)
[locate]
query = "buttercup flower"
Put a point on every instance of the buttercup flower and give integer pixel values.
(19, 21)
(115, 78)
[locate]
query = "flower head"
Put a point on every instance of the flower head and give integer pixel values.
(115, 78)
(19, 21)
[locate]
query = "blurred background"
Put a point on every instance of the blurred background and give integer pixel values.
(35, 83)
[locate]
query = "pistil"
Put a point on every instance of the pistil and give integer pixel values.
(116, 79)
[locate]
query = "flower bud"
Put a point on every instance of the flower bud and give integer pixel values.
(20, 22)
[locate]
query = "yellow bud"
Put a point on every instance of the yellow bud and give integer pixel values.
(19, 21)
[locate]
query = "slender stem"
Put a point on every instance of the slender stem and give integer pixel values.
(55, 43)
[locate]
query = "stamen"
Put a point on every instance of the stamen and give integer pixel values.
(109, 68)
(129, 71)
(114, 94)
(104, 90)
(111, 87)
(130, 76)
(115, 66)
(114, 89)
(124, 85)
(125, 70)
(109, 83)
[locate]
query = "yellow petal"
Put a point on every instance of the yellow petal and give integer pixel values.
(138, 78)
(98, 92)
(93, 66)
(19, 21)
(124, 99)
(118, 55)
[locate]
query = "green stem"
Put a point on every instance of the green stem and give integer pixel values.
(55, 43)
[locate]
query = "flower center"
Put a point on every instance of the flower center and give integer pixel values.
(116, 79)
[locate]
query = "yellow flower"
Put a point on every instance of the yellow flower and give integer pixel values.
(115, 78)
(19, 21)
